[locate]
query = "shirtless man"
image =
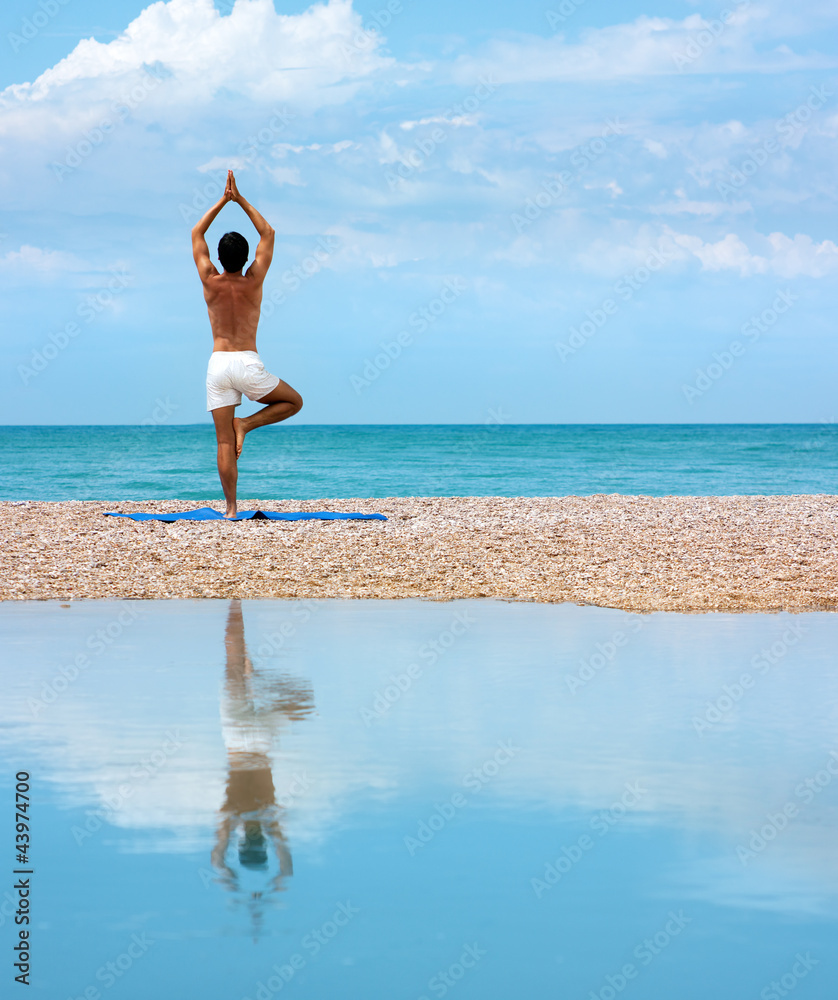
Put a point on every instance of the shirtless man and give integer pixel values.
(234, 301)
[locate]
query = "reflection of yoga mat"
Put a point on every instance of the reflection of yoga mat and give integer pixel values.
(208, 514)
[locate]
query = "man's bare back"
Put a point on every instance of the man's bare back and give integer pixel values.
(234, 301)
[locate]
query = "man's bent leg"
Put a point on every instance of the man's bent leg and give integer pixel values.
(228, 469)
(282, 402)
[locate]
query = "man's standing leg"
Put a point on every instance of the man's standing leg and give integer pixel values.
(228, 469)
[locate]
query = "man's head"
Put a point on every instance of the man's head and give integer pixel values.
(253, 851)
(232, 252)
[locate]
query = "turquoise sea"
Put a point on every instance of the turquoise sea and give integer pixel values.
(309, 462)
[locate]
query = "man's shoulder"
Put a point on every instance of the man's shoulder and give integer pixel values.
(210, 275)
(252, 282)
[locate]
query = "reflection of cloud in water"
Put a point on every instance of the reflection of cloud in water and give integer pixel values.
(788, 881)
(505, 679)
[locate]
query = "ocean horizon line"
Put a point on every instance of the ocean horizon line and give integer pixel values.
(492, 425)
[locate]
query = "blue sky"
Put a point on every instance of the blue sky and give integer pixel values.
(556, 211)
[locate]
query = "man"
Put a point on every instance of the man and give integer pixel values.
(255, 705)
(234, 301)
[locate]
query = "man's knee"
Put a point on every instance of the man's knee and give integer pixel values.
(298, 403)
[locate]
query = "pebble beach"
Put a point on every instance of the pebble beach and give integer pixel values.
(687, 554)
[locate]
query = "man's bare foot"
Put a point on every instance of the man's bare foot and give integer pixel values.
(230, 514)
(241, 430)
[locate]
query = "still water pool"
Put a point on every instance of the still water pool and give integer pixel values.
(400, 799)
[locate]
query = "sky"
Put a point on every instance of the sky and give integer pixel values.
(547, 211)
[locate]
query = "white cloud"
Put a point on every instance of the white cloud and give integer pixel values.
(457, 121)
(224, 163)
(601, 185)
(648, 46)
(254, 51)
(361, 249)
(286, 175)
(708, 209)
(282, 149)
(522, 252)
(31, 265)
(383, 260)
(776, 254)
(39, 260)
(656, 148)
(783, 256)
(228, 85)
(37, 266)
(729, 253)
(802, 256)
(605, 257)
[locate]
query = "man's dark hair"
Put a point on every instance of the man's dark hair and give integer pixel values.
(253, 851)
(232, 252)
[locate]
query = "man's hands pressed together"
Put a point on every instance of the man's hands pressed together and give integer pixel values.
(231, 192)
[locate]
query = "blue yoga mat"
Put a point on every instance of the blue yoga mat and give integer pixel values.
(208, 514)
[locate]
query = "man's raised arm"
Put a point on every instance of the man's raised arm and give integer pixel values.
(265, 251)
(200, 250)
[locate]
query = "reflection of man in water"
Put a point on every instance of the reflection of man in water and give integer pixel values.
(253, 706)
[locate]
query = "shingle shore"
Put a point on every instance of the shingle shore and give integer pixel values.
(746, 553)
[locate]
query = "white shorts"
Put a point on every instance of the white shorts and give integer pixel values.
(231, 373)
